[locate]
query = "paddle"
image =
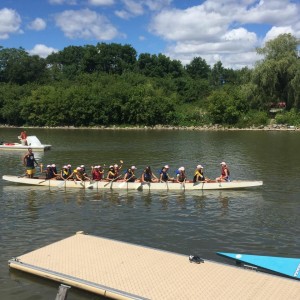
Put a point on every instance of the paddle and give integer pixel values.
(92, 184)
(166, 182)
(21, 176)
(61, 184)
(141, 186)
(43, 181)
(183, 184)
(111, 181)
(121, 185)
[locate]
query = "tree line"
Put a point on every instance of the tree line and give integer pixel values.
(109, 84)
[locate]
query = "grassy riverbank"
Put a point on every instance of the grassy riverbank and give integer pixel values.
(273, 127)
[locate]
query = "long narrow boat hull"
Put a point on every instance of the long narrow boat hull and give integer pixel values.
(285, 266)
(121, 185)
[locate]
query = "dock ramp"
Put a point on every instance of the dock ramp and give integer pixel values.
(121, 270)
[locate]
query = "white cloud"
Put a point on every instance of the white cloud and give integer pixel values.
(42, 50)
(275, 31)
(134, 7)
(131, 9)
(68, 2)
(221, 30)
(276, 12)
(156, 5)
(37, 24)
(191, 24)
(123, 14)
(101, 2)
(240, 35)
(85, 24)
(10, 22)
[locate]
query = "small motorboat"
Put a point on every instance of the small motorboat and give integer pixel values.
(32, 142)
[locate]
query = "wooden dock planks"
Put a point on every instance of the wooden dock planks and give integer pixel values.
(125, 271)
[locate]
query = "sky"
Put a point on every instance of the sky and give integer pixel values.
(215, 30)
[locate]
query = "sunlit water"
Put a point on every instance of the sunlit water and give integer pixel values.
(260, 220)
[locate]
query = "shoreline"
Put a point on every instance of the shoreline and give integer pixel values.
(273, 127)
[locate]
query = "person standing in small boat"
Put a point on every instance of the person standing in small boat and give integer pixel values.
(29, 162)
(130, 176)
(225, 173)
(148, 176)
(180, 175)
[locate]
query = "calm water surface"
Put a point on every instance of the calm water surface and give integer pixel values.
(261, 220)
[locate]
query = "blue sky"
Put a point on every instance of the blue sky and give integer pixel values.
(225, 30)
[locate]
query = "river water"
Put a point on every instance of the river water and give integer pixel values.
(263, 220)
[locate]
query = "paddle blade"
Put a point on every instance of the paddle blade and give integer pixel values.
(61, 184)
(92, 185)
(122, 185)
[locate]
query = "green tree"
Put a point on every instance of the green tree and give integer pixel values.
(217, 74)
(276, 76)
(226, 105)
(198, 68)
(159, 66)
(69, 61)
(115, 58)
(17, 66)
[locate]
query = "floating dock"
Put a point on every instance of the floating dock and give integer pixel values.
(121, 270)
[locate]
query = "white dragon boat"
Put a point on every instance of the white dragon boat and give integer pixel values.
(32, 142)
(140, 186)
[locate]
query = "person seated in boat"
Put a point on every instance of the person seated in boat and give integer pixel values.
(29, 162)
(225, 173)
(199, 175)
(69, 169)
(72, 176)
(83, 171)
(130, 176)
(80, 174)
(111, 175)
(97, 175)
(101, 171)
(148, 176)
(180, 175)
(164, 176)
(77, 175)
(23, 138)
(64, 173)
(54, 171)
(49, 172)
(117, 169)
